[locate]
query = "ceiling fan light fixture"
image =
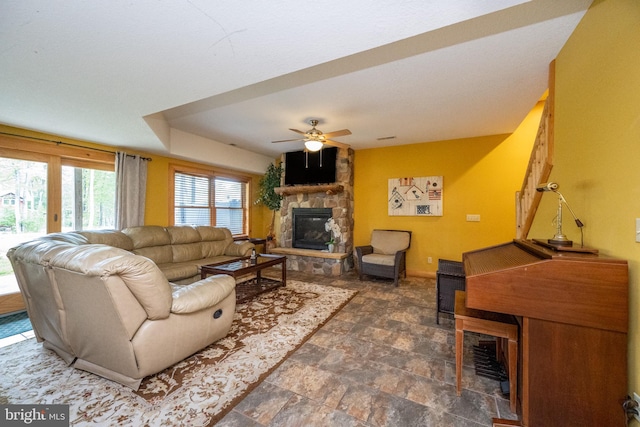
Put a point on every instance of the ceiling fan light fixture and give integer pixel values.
(312, 145)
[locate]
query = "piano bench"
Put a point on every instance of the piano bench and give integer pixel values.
(501, 326)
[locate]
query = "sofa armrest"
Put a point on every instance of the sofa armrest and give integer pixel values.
(202, 294)
(239, 248)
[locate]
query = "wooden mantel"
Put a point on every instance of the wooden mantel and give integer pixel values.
(302, 189)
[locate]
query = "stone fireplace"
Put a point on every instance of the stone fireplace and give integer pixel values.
(336, 199)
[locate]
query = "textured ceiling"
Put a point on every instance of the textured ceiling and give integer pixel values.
(241, 73)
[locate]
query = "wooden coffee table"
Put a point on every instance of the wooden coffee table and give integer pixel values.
(244, 267)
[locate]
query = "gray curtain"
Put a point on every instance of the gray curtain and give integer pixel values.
(131, 187)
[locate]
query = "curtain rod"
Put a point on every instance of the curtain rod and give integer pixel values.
(69, 144)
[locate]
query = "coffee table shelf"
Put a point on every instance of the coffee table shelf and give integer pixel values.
(245, 266)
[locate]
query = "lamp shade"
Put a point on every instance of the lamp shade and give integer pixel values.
(313, 145)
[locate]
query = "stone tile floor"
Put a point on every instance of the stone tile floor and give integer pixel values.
(381, 361)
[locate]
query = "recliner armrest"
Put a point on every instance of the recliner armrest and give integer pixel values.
(239, 248)
(202, 294)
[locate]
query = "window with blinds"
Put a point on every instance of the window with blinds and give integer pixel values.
(229, 204)
(210, 200)
(191, 203)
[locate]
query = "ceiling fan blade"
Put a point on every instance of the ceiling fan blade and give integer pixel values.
(335, 143)
(288, 140)
(342, 132)
(298, 131)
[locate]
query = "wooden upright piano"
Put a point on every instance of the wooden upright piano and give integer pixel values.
(572, 308)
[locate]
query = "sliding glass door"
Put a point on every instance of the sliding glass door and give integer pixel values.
(88, 198)
(23, 217)
(47, 189)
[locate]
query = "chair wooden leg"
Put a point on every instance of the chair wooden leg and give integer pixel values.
(499, 350)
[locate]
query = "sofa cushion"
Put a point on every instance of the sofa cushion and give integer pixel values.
(203, 294)
(186, 252)
(175, 271)
(39, 251)
(213, 249)
(379, 259)
(85, 258)
(108, 237)
(183, 234)
(147, 235)
(214, 233)
(185, 243)
(214, 240)
(157, 254)
(389, 242)
(72, 238)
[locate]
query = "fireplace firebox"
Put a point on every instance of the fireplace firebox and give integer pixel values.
(308, 228)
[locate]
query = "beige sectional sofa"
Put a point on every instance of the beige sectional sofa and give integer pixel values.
(177, 251)
(127, 304)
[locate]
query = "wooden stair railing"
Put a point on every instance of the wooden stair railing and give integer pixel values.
(540, 165)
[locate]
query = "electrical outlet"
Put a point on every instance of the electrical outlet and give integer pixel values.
(473, 217)
(429, 260)
(637, 399)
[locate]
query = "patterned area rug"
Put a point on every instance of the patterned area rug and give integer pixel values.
(198, 391)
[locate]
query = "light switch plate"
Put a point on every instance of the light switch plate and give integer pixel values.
(638, 230)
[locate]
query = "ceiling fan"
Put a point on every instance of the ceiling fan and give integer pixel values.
(314, 139)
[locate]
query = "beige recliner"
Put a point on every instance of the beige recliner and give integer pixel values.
(111, 312)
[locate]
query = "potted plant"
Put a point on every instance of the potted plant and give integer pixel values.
(334, 231)
(269, 198)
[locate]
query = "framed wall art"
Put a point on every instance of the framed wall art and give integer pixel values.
(415, 196)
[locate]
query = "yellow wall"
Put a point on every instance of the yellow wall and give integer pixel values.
(157, 208)
(481, 176)
(597, 137)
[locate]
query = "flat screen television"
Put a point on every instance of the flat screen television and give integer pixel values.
(309, 167)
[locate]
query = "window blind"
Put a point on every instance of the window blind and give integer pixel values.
(191, 202)
(209, 200)
(229, 204)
